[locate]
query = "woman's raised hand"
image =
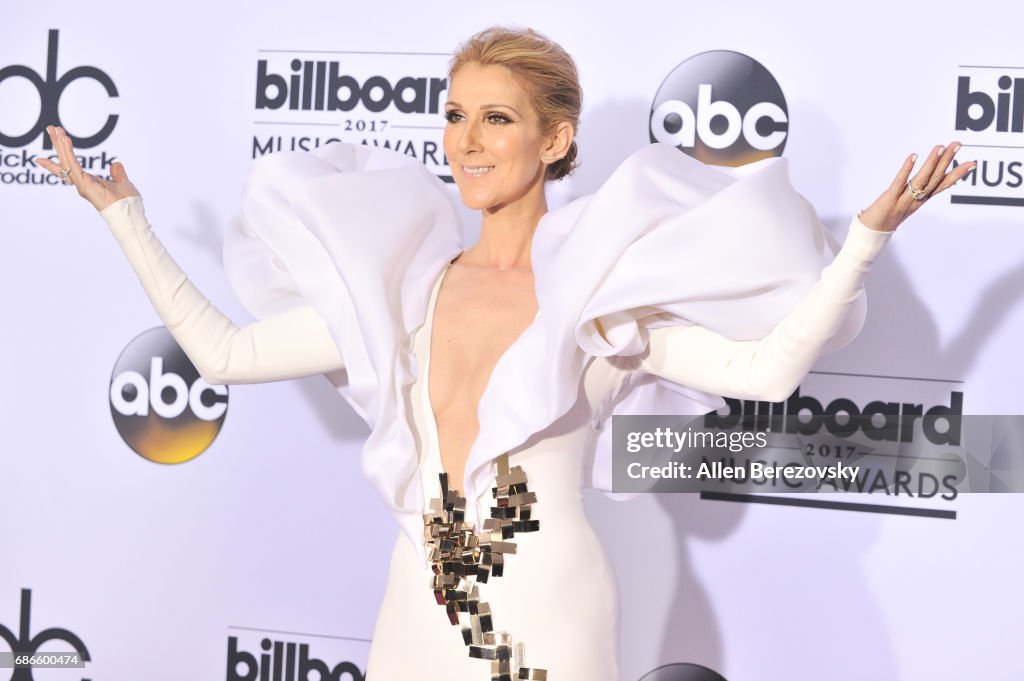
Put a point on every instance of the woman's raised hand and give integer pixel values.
(96, 190)
(905, 195)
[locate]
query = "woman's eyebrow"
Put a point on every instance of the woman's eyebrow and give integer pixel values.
(499, 106)
(485, 106)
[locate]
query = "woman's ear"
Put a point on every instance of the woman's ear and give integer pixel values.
(558, 143)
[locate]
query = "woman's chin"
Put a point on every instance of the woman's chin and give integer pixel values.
(475, 201)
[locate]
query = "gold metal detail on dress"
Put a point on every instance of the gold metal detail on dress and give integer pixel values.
(462, 559)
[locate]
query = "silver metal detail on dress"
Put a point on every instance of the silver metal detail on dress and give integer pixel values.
(462, 559)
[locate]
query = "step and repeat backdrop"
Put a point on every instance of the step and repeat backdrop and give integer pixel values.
(170, 530)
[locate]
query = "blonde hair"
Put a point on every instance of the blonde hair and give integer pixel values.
(543, 66)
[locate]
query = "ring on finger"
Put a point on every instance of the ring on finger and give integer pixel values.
(918, 194)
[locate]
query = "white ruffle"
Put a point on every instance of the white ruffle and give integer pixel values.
(362, 234)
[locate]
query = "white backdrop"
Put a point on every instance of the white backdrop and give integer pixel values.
(271, 533)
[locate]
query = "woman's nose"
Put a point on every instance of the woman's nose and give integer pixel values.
(470, 138)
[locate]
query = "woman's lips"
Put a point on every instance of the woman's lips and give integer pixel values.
(476, 171)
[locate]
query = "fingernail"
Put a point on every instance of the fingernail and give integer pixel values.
(956, 149)
(913, 158)
(941, 149)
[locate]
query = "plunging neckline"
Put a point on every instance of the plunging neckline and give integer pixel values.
(430, 418)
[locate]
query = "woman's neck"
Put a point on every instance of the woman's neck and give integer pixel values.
(506, 233)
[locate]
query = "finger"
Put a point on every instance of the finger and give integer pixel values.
(117, 172)
(954, 176)
(67, 159)
(69, 153)
(55, 143)
(924, 175)
(942, 166)
(900, 181)
(47, 164)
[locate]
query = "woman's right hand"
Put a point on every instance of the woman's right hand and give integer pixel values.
(96, 190)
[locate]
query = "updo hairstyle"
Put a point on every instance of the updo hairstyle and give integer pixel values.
(543, 67)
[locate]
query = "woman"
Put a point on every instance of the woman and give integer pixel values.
(671, 286)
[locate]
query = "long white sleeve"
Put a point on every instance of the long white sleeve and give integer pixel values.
(772, 367)
(288, 345)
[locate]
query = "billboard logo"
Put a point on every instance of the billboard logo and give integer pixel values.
(284, 661)
(977, 110)
(989, 119)
(314, 86)
(393, 100)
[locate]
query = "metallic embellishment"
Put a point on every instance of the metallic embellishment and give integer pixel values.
(462, 559)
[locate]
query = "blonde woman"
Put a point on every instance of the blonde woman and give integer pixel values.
(487, 373)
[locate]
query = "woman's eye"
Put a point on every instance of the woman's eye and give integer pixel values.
(452, 116)
(498, 118)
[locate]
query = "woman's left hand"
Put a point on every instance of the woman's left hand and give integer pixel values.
(897, 203)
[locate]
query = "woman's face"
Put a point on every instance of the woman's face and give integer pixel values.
(492, 139)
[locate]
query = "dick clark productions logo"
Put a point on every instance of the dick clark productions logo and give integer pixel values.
(722, 108)
(23, 642)
(50, 88)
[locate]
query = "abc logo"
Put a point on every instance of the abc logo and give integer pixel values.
(161, 406)
(682, 671)
(722, 108)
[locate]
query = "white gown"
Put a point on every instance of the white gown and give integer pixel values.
(557, 596)
(568, 622)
